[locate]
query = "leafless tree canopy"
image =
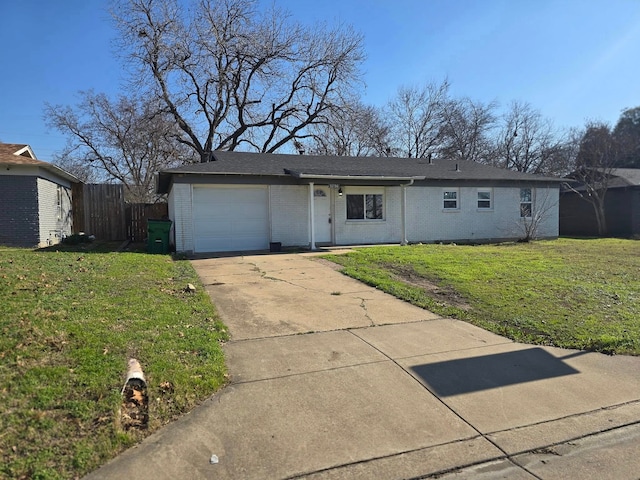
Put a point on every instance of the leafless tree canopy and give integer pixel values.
(126, 140)
(467, 129)
(428, 121)
(417, 120)
(231, 74)
(527, 142)
(354, 130)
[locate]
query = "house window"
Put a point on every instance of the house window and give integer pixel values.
(450, 199)
(525, 203)
(484, 199)
(59, 202)
(366, 206)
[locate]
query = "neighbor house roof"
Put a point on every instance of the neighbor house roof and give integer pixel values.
(618, 178)
(20, 154)
(625, 177)
(325, 167)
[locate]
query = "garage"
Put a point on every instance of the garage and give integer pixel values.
(230, 218)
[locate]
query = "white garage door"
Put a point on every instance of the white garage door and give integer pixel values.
(230, 218)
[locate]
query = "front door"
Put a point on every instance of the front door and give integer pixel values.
(322, 214)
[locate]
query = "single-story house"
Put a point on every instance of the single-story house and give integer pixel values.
(252, 201)
(35, 198)
(622, 206)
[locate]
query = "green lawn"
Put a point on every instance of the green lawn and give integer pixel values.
(69, 321)
(582, 294)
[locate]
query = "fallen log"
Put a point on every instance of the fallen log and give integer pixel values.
(134, 412)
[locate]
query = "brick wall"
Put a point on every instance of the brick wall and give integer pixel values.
(428, 221)
(180, 212)
(352, 232)
(19, 211)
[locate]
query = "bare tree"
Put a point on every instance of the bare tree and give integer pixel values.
(77, 168)
(232, 75)
(125, 140)
(597, 157)
(538, 207)
(354, 130)
(542, 205)
(417, 121)
(527, 142)
(466, 129)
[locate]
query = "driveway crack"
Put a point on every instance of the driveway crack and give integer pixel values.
(363, 305)
(265, 276)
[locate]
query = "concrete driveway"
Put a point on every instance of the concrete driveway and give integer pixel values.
(331, 379)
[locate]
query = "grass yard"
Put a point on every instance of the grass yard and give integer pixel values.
(582, 294)
(69, 322)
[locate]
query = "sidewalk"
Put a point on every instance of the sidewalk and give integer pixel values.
(331, 379)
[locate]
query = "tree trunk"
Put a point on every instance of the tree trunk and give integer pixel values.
(598, 207)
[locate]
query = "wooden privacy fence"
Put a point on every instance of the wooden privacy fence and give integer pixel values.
(137, 216)
(100, 210)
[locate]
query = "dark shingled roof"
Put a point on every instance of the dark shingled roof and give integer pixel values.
(618, 178)
(625, 177)
(319, 166)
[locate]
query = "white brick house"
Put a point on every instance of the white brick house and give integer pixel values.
(248, 201)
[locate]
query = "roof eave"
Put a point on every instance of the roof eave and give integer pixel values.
(313, 176)
(46, 166)
(62, 173)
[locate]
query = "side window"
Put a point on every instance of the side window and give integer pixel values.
(485, 197)
(366, 206)
(526, 206)
(450, 199)
(59, 202)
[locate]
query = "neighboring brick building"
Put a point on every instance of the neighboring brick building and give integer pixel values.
(35, 199)
(247, 201)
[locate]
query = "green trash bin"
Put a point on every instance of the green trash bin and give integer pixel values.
(158, 236)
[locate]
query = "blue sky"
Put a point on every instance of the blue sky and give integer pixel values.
(571, 59)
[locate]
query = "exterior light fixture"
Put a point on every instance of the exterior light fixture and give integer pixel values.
(339, 191)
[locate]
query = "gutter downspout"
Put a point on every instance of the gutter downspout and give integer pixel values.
(312, 227)
(404, 186)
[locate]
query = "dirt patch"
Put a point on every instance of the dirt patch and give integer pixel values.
(441, 294)
(446, 296)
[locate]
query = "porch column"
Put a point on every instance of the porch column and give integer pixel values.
(312, 227)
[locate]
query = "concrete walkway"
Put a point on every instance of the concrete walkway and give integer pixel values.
(331, 379)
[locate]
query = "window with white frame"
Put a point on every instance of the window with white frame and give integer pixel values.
(450, 198)
(526, 204)
(59, 202)
(485, 197)
(365, 206)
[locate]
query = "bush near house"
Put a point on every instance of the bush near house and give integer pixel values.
(582, 294)
(69, 322)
